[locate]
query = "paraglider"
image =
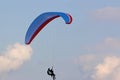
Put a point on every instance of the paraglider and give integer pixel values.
(41, 21)
(51, 73)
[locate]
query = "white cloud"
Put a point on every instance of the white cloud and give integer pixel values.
(107, 13)
(107, 68)
(102, 61)
(14, 57)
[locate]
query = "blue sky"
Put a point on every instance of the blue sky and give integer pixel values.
(86, 49)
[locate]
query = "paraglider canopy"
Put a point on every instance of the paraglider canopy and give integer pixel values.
(41, 21)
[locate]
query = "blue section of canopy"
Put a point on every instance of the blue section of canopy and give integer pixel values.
(41, 21)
